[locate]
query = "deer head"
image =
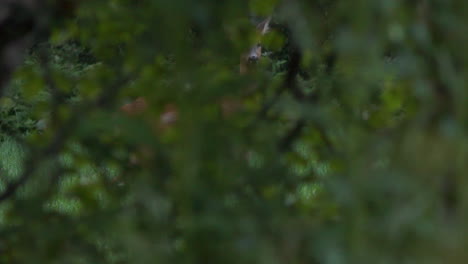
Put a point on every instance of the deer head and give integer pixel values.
(255, 52)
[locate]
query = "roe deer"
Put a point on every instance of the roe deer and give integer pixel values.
(228, 106)
(170, 114)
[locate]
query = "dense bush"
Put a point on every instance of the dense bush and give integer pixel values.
(345, 144)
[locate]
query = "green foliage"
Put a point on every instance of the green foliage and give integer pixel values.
(346, 143)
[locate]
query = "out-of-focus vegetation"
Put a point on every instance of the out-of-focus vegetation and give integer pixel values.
(346, 144)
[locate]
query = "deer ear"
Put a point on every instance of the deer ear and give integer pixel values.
(264, 26)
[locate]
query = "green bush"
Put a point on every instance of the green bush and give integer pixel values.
(348, 143)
